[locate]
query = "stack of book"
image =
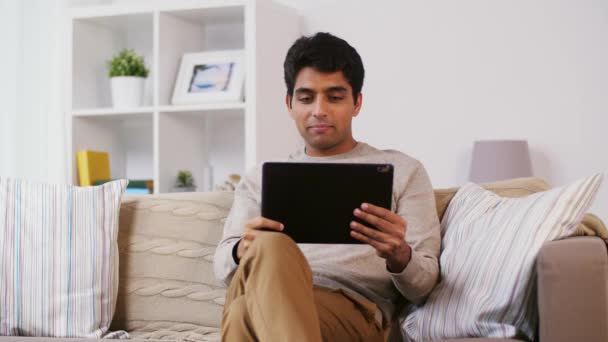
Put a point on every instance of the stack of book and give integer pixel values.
(94, 169)
(135, 186)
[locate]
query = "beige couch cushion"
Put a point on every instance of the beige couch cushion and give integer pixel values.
(167, 286)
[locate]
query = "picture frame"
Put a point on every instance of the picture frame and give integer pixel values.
(215, 76)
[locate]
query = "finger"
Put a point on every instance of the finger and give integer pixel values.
(373, 220)
(252, 234)
(247, 235)
(382, 213)
(378, 246)
(264, 223)
(389, 242)
(270, 224)
(369, 232)
(246, 244)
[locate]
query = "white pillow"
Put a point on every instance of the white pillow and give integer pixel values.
(58, 258)
(489, 247)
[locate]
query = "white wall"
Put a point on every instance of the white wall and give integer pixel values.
(8, 93)
(441, 74)
(33, 142)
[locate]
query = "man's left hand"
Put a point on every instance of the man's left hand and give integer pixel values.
(389, 237)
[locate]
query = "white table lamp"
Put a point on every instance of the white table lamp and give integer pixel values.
(495, 160)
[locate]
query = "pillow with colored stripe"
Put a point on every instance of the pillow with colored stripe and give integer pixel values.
(489, 248)
(58, 258)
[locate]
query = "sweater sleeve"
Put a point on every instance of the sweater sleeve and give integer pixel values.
(417, 206)
(246, 206)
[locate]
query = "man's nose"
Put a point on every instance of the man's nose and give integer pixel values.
(320, 108)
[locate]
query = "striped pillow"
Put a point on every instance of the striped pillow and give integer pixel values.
(489, 247)
(58, 258)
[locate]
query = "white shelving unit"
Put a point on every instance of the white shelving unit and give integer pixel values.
(158, 139)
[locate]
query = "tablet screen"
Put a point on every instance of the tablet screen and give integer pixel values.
(315, 201)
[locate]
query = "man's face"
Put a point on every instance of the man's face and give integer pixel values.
(323, 108)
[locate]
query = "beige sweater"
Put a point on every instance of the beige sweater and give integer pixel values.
(357, 268)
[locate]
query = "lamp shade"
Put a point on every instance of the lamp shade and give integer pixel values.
(495, 160)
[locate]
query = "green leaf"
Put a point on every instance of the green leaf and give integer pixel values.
(127, 63)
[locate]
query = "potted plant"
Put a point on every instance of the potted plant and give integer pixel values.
(128, 72)
(184, 181)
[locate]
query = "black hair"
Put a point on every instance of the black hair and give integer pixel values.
(325, 53)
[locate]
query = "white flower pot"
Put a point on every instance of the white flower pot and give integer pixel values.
(127, 91)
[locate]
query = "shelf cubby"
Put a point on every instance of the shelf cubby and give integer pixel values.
(127, 138)
(199, 30)
(96, 40)
(210, 144)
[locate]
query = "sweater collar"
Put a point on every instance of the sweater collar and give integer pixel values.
(354, 151)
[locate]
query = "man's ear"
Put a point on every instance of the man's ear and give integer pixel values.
(288, 104)
(288, 101)
(358, 104)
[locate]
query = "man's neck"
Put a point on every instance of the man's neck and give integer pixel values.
(332, 151)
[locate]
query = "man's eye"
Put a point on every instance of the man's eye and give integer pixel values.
(336, 98)
(304, 99)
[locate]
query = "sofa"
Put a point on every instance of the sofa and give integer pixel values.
(168, 291)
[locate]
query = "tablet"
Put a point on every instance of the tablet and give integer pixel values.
(315, 201)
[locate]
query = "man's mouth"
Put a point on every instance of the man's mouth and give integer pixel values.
(320, 128)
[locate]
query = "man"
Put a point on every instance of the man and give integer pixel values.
(280, 291)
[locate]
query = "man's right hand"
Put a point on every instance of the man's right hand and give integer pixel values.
(253, 228)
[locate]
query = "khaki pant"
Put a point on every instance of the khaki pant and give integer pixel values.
(272, 298)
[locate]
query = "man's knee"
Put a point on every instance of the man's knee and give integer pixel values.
(275, 250)
(273, 242)
(273, 238)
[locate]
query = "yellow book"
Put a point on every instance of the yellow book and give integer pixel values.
(92, 166)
